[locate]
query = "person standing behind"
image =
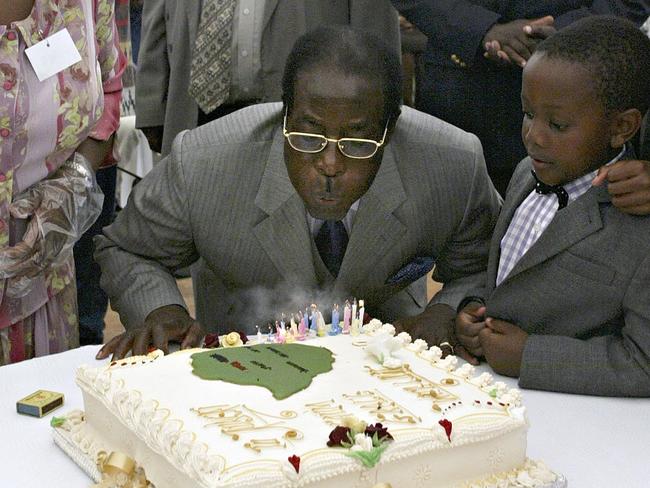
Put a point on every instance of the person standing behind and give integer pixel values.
(56, 128)
(478, 93)
(240, 45)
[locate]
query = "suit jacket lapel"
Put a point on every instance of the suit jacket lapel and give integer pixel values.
(570, 225)
(193, 21)
(284, 235)
(269, 8)
(375, 229)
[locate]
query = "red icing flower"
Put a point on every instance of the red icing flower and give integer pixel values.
(295, 462)
(211, 341)
(380, 430)
(244, 337)
(446, 424)
(338, 436)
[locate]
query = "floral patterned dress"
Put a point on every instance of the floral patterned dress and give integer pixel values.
(41, 124)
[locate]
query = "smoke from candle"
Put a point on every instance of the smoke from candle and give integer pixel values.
(260, 306)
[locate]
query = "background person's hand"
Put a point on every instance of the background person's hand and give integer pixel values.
(503, 346)
(628, 183)
(435, 325)
(168, 323)
(469, 322)
(59, 210)
(514, 42)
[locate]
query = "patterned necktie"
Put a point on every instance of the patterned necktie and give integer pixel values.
(331, 241)
(544, 189)
(211, 61)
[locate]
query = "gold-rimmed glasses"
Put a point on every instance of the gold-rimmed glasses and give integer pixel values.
(350, 147)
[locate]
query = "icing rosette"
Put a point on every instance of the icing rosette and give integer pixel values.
(419, 345)
(483, 380)
(405, 338)
(449, 363)
(465, 371)
(372, 326)
(433, 354)
(387, 329)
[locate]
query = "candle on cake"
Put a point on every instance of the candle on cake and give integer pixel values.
(347, 315)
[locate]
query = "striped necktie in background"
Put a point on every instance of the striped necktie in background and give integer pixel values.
(211, 61)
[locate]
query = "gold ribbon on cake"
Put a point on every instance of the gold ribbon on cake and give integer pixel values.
(119, 471)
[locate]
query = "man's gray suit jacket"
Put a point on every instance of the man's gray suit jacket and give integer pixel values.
(583, 293)
(169, 30)
(224, 195)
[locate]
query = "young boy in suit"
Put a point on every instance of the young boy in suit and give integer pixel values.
(567, 305)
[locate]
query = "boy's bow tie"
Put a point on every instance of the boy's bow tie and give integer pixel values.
(544, 189)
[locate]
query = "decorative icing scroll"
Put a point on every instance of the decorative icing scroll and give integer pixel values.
(383, 408)
(234, 420)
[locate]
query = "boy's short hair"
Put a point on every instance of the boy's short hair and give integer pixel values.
(615, 51)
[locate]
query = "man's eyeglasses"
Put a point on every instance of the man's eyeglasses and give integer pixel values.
(350, 147)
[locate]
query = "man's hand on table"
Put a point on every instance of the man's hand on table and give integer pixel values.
(168, 323)
(435, 325)
(503, 346)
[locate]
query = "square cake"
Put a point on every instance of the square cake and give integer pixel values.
(372, 410)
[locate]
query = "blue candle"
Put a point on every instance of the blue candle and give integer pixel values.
(335, 321)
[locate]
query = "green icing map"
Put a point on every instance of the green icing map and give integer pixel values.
(284, 369)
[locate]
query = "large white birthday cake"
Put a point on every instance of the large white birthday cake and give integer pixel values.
(343, 411)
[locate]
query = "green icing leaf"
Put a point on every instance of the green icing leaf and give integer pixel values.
(493, 392)
(57, 421)
(368, 458)
(284, 369)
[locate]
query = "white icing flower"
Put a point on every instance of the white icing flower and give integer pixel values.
(388, 329)
(382, 347)
(433, 354)
(512, 396)
(372, 326)
(392, 363)
(404, 337)
(449, 363)
(482, 380)
(419, 345)
(354, 423)
(362, 443)
(500, 387)
(465, 371)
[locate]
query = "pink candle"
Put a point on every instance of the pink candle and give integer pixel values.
(347, 315)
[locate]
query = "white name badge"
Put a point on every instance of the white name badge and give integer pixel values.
(53, 55)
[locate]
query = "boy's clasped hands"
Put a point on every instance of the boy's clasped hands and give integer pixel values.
(500, 342)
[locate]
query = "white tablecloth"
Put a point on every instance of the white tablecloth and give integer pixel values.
(594, 442)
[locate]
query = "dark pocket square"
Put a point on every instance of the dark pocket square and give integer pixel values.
(415, 269)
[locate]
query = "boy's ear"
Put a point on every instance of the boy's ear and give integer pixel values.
(624, 126)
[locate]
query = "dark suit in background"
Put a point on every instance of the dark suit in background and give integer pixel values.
(461, 87)
(169, 30)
